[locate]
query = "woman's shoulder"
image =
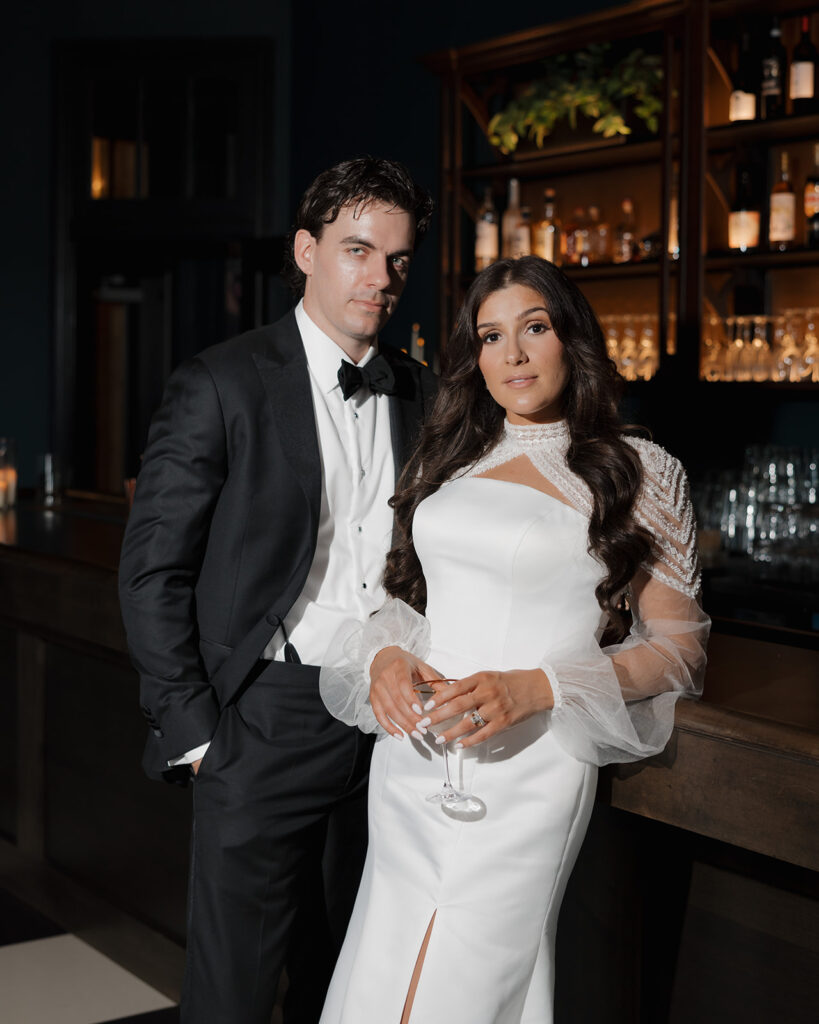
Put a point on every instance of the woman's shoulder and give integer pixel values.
(657, 463)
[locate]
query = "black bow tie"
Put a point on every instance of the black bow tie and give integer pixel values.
(377, 375)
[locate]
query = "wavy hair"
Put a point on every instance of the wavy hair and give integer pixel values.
(466, 422)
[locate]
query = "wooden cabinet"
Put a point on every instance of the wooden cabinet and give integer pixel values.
(680, 178)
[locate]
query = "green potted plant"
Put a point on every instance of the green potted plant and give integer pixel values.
(585, 84)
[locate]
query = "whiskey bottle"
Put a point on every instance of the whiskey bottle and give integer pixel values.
(546, 233)
(486, 233)
(511, 217)
(576, 239)
(802, 85)
(625, 237)
(599, 237)
(774, 67)
(782, 211)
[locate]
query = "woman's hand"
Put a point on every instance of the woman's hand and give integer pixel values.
(394, 673)
(502, 699)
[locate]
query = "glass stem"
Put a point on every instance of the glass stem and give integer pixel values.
(446, 765)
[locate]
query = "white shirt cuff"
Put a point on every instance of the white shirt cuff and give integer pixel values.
(191, 756)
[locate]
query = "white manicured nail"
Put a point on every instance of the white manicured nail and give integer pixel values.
(424, 722)
(459, 746)
(417, 709)
(430, 704)
(440, 739)
(416, 735)
(398, 735)
(420, 728)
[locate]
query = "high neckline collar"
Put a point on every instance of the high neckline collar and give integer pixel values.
(537, 433)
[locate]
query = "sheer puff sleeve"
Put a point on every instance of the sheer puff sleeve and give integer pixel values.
(617, 704)
(344, 682)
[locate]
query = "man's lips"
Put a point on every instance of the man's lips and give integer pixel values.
(375, 307)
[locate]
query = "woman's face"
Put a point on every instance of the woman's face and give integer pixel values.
(521, 358)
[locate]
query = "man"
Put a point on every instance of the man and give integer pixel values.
(260, 522)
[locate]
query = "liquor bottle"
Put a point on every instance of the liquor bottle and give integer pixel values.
(774, 67)
(486, 233)
(804, 76)
(599, 237)
(782, 218)
(812, 202)
(546, 233)
(742, 104)
(511, 217)
(576, 239)
(743, 220)
(521, 244)
(625, 235)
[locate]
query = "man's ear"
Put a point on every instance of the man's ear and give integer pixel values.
(303, 248)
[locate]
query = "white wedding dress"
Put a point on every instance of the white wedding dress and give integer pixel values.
(510, 584)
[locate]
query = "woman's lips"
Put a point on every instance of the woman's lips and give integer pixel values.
(519, 382)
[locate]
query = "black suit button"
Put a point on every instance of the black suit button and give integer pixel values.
(158, 733)
(272, 619)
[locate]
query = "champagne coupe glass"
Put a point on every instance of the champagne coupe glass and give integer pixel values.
(453, 801)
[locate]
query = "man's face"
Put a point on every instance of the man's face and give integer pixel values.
(356, 272)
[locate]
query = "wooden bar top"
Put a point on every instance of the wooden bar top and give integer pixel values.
(741, 766)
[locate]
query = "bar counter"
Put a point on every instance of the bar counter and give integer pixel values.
(734, 793)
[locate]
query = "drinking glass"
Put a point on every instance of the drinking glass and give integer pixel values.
(453, 801)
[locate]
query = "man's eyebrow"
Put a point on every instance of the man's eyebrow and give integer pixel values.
(367, 244)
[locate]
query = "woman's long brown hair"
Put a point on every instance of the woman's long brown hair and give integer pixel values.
(466, 422)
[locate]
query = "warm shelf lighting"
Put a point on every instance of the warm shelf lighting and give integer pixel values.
(100, 168)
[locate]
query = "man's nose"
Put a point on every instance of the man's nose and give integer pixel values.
(378, 276)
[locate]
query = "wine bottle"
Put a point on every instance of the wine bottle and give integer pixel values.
(546, 240)
(782, 217)
(511, 217)
(774, 67)
(625, 236)
(521, 244)
(812, 202)
(743, 220)
(804, 73)
(486, 233)
(742, 104)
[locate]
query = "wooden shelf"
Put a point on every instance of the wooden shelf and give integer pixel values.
(784, 129)
(571, 159)
(762, 260)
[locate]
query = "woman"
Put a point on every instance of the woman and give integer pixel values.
(528, 525)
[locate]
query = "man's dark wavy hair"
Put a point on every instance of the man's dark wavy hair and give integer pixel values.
(366, 179)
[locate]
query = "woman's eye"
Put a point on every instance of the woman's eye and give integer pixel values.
(489, 338)
(539, 328)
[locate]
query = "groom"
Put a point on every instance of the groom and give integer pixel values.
(260, 523)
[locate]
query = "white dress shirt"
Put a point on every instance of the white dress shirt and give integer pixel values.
(355, 521)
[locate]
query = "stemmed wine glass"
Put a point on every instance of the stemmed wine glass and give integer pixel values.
(453, 801)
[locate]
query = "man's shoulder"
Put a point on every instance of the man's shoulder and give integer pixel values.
(278, 341)
(405, 366)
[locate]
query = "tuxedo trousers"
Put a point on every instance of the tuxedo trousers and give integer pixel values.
(279, 839)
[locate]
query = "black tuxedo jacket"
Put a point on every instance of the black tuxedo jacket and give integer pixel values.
(225, 518)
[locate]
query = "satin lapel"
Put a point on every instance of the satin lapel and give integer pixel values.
(406, 411)
(283, 369)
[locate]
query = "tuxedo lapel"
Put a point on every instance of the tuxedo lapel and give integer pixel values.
(282, 366)
(406, 410)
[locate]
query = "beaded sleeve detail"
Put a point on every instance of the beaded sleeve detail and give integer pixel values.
(663, 506)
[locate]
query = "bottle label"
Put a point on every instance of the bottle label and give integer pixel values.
(771, 77)
(543, 242)
(783, 217)
(520, 243)
(742, 106)
(802, 83)
(743, 229)
(811, 198)
(486, 240)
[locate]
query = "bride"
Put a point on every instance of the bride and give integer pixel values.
(546, 562)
